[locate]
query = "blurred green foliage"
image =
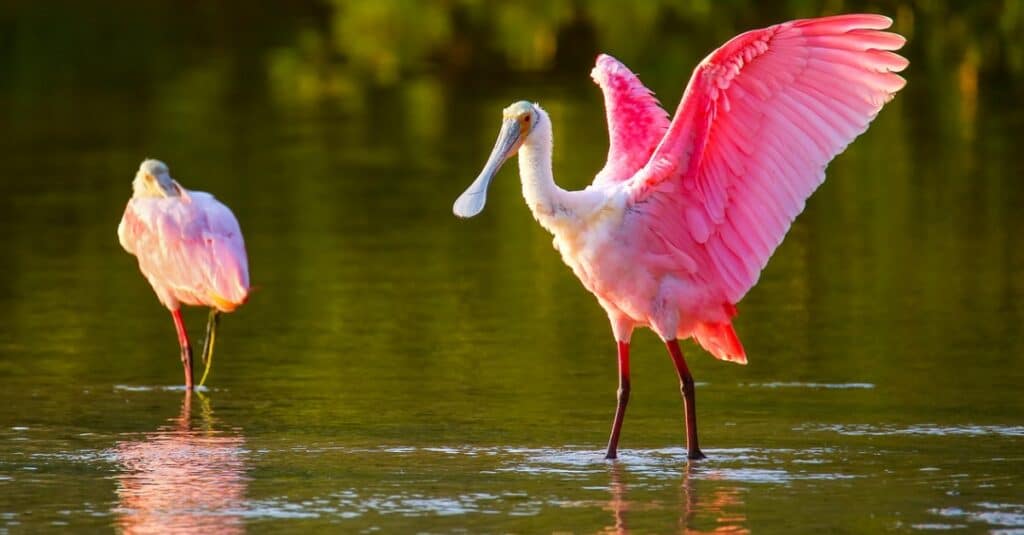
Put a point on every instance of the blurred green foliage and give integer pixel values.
(341, 48)
(380, 42)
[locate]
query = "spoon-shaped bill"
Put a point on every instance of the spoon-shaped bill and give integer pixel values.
(472, 201)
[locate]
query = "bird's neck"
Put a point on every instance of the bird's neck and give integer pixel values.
(546, 200)
(142, 189)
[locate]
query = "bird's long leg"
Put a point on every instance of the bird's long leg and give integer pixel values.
(623, 399)
(211, 337)
(186, 349)
(689, 399)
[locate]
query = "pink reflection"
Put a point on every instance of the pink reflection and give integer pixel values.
(182, 478)
(618, 504)
(721, 512)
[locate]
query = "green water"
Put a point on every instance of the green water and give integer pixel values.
(399, 370)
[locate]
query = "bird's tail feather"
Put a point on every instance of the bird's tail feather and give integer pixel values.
(721, 341)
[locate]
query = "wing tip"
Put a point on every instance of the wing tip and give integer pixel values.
(868, 21)
(605, 68)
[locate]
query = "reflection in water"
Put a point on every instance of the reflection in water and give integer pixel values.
(723, 508)
(618, 504)
(721, 513)
(182, 477)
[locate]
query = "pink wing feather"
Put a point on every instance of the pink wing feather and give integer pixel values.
(760, 119)
(636, 121)
(190, 248)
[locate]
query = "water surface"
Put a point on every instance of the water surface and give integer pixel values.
(399, 370)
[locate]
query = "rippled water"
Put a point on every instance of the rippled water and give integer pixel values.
(195, 471)
(399, 370)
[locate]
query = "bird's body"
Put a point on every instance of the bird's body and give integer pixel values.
(636, 273)
(677, 226)
(189, 247)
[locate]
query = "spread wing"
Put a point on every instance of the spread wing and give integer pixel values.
(636, 122)
(191, 249)
(760, 119)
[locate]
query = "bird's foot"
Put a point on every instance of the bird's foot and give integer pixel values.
(695, 455)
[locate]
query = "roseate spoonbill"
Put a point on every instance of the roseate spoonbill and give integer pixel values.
(677, 226)
(191, 250)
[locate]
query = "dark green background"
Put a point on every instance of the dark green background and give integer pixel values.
(401, 369)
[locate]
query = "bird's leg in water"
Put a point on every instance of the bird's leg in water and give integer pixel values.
(211, 337)
(623, 399)
(689, 399)
(186, 349)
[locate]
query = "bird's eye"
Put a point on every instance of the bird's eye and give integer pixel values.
(526, 118)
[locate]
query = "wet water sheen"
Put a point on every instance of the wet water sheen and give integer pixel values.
(399, 370)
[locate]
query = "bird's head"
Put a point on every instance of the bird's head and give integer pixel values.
(153, 179)
(518, 121)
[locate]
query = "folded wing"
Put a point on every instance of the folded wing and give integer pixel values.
(191, 250)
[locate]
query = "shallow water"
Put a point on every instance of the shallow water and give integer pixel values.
(399, 370)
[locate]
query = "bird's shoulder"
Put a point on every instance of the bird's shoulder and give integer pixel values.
(217, 218)
(195, 216)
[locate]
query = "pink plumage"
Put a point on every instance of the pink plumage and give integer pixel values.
(188, 244)
(677, 226)
(190, 248)
(761, 118)
(636, 122)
